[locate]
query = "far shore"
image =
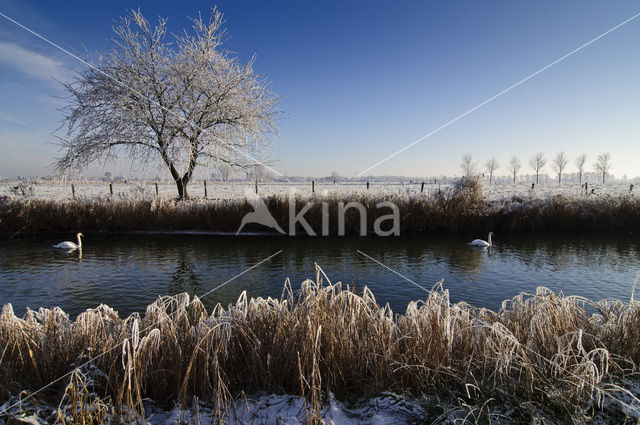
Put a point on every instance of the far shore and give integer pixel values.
(458, 209)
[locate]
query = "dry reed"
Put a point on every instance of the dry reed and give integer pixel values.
(539, 353)
(461, 209)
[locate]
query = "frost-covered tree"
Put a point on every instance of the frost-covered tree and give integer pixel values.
(182, 101)
(259, 172)
(514, 166)
(603, 164)
(580, 161)
(559, 164)
(468, 165)
(492, 165)
(537, 162)
(225, 171)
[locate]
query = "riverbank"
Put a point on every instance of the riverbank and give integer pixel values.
(540, 357)
(457, 210)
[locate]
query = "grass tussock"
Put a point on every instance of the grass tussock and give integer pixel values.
(540, 353)
(462, 208)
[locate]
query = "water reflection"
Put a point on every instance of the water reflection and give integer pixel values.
(128, 272)
(185, 277)
(70, 253)
(468, 262)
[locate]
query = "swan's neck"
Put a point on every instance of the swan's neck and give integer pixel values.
(490, 239)
(80, 241)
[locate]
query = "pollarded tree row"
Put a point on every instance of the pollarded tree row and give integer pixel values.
(537, 162)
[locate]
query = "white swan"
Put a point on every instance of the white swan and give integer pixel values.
(480, 242)
(71, 245)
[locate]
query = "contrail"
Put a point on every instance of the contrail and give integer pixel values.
(480, 105)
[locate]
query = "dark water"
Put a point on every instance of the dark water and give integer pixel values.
(128, 272)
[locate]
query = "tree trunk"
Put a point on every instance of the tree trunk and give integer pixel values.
(603, 177)
(536, 178)
(181, 184)
(559, 177)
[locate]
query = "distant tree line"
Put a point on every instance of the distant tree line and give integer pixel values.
(602, 166)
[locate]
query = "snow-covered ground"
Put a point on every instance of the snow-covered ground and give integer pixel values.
(234, 190)
(292, 410)
(387, 408)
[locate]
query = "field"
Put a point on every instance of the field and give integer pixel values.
(504, 189)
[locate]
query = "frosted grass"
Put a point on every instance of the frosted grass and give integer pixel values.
(90, 190)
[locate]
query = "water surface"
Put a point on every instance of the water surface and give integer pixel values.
(128, 272)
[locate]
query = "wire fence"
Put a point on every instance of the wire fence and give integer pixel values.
(96, 190)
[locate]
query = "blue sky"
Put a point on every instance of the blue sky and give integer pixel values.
(360, 80)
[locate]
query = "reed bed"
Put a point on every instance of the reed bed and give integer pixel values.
(541, 354)
(463, 208)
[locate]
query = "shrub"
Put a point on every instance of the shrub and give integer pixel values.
(23, 189)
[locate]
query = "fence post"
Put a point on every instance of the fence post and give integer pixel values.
(73, 190)
(367, 185)
(422, 187)
(256, 187)
(111, 188)
(156, 189)
(313, 186)
(205, 188)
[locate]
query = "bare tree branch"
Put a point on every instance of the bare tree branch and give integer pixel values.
(468, 165)
(537, 162)
(580, 161)
(514, 166)
(603, 164)
(492, 165)
(186, 102)
(559, 164)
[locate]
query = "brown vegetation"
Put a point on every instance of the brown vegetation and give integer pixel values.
(541, 352)
(461, 209)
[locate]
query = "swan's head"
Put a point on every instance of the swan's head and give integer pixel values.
(79, 234)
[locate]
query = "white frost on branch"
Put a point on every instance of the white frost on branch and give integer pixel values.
(185, 102)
